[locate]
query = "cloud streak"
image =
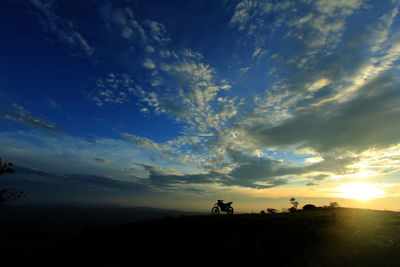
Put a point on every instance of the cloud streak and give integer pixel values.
(19, 114)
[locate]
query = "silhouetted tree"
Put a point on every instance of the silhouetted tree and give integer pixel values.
(294, 203)
(9, 194)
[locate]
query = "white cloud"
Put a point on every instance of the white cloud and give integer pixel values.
(19, 114)
(256, 52)
(116, 88)
(313, 160)
(341, 7)
(188, 53)
(383, 28)
(157, 31)
(123, 21)
(247, 11)
(177, 150)
(135, 25)
(144, 110)
(243, 13)
(151, 99)
(165, 53)
(318, 84)
(244, 69)
(150, 49)
(196, 100)
(141, 141)
(149, 64)
(127, 32)
(65, 29)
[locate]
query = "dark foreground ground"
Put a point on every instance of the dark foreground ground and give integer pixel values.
(330, 237)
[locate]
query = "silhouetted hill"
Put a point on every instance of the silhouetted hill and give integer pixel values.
(330, 237)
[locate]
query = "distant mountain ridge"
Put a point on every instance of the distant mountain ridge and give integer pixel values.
(17, 222)
(84, 214)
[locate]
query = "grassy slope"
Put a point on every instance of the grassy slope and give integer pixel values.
(338, 237)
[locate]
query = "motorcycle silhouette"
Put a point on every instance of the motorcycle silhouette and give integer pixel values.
(220, 205)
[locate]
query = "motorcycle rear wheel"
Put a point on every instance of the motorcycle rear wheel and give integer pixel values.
(215, 210)
(229, 210)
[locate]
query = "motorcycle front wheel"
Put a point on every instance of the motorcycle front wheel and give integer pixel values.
(215, 210)
(229, 210)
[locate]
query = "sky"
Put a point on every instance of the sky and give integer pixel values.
(175, 104)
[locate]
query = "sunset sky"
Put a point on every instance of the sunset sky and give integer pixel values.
(175, 104)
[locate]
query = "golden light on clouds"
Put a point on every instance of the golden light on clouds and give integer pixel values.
(375, 163)
(313, 160)
(318, 84)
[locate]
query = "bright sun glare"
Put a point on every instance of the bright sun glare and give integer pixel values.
(360, 191)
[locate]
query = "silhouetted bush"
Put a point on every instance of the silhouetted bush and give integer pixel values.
(9, 194)
(292, 209)
(272, 210)
(6, 167)
(334, 205)
(331, 205)
(309, 207)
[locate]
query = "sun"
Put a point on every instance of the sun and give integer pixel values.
(360, 191)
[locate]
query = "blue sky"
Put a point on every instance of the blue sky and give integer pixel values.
(178, 103)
